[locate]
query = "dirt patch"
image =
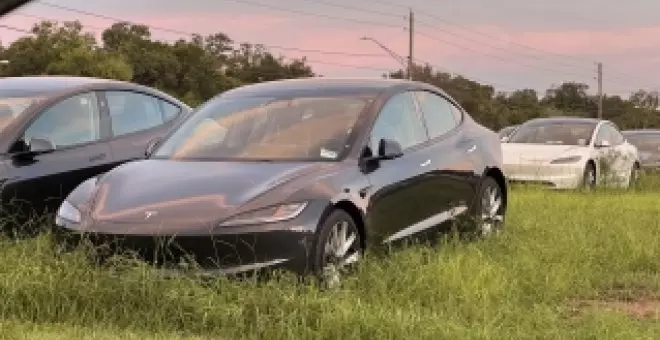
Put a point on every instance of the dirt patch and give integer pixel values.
(637, 303)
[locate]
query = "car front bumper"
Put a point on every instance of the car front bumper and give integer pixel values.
(221, 250)
(558, 176)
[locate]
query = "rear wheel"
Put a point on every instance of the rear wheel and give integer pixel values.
(338, 248)
(635, 174)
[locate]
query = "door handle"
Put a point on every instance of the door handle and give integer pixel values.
(427, 162)
(471, 149)
(98, 157)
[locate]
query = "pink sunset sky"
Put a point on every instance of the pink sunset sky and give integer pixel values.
(510, 44)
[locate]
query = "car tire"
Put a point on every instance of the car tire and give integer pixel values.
(338, 248)
(490, 208)
(589, 176)
(635, 174)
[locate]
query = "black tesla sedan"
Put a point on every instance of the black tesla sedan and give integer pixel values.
(57, 131)
(301, 174)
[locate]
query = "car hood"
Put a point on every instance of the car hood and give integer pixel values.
(519, 153)
(178, 192)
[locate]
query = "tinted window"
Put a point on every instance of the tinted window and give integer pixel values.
(554, 132)
(72, 121)
(257, 128)
(438, 113)
(133, 111)
(398, 120)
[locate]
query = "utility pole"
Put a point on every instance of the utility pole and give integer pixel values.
(600, 90)
(411, 42)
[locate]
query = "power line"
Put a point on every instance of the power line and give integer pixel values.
(276, 47)
(179, 32)
(428, 36)
(491, 36)
(16, 29)
(318, 15)
(443, 30)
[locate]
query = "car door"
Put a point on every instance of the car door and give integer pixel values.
(136, 118)
(615, 157)
(452, 172)
(74, 126)
(624, 152)
(397, 185)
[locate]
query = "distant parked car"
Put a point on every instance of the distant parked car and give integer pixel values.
(301, 174)
(569, 152)
(506, 131)
(57, 131)
(647, 142)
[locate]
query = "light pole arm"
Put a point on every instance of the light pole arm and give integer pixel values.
(394, 55)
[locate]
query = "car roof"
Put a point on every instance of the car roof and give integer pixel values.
(47, 84)
(320, 85)
(567, 119)
(641, 131)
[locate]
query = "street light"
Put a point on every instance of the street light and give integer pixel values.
(4, 62)
(393, 54)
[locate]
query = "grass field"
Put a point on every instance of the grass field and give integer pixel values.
(570, 265)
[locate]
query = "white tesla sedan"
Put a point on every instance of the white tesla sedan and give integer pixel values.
(570, 152)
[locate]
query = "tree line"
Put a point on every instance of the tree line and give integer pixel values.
(198, 68)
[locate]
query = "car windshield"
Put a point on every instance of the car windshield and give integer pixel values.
(13, 106)
(243, 129)
(562, 133)
(646, 142)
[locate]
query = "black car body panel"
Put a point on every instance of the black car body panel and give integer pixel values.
(390, 199)
(37, 183)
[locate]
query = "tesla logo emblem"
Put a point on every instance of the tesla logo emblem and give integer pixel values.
(148, 214)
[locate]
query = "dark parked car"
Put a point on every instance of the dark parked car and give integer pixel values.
(302, 174)
(647, 142)
(56, 132)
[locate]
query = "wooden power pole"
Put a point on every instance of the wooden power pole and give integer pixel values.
(411, 43)
(600, 90)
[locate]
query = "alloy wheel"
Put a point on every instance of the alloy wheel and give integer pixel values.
(341, 252)
(492, 215)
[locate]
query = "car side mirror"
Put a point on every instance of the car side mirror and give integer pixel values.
(151, 147)
(389, 149)
(40, 145)
(602, 144)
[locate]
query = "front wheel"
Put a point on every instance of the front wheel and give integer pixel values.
(490, 208)
(338, 248)
(589, 176)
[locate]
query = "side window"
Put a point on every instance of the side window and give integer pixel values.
(398, 120)
(615, 135)
(170, 111)
(72, 121)
(438, 113)
(133, 111)
(603, 134)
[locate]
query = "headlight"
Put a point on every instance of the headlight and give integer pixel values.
(67, 213)
(566, 160)
(272, 214)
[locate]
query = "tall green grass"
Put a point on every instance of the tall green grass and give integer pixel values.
(561, 252)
